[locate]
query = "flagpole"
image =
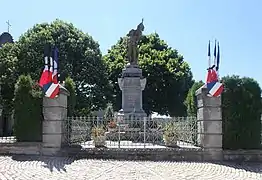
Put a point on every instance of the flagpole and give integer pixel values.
(209, 56)
(57, 69)
(215, 49)
(218, 60)
(49, 61)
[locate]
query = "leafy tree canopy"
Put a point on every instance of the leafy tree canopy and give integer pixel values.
(79, 58)
(168, 75)
(8, 75)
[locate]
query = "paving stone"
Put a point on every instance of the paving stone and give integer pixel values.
(60, 168)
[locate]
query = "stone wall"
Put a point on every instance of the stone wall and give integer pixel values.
(21, 148)
(168, 154)
(243, 155)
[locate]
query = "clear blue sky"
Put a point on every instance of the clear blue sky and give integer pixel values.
(186, 25)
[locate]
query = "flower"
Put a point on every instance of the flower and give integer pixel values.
(112, 124)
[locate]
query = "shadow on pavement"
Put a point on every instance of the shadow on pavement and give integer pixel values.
(59, 163)
(52, 163)
(255, 167)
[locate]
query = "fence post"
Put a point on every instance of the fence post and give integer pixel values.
(54, 124)
(119, 138)
(209, 123)
(145, 119)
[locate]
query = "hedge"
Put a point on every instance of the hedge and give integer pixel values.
(71, 99)
(191, 101)
(241, 113)
(27, 110)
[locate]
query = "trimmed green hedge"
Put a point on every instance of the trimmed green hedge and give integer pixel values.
(71, 103)
(71, 99)
(241, 113)
(28, 110)
(191, 101)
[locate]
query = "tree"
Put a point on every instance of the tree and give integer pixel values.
(168, 75)
(79, 58)
(28, 110)
(241, 113)
(191, 101)
(8, 77)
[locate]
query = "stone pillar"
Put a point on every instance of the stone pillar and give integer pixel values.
(54, 124)
(209, 122)
(132, 84)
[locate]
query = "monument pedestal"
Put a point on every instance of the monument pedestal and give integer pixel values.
(132, 84)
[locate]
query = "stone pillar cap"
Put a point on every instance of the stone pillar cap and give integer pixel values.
(63, 90)
(201, 90)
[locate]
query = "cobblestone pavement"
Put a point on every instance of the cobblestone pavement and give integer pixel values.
(49, 168)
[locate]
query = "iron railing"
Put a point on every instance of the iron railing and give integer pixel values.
(7, 139)
(132, 132)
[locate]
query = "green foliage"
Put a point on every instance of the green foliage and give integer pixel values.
(8, 75)
(191, 101)
(71, 99)
(170, 130)
(241, 113)
(79, 58)
(97, 131)
(171, 134)
(168, 75)
(28, 110)
(109, 113)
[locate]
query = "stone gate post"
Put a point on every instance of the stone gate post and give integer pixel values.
(209, 122)
(54, 124)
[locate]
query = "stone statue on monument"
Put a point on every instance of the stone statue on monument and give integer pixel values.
(131, 82)
(134, 36)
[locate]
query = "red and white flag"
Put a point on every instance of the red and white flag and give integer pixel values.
(48, 80)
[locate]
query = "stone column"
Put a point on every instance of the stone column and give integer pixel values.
(132, 84)
(54, 124)
(209, 122)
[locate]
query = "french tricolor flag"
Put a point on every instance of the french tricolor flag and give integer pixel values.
(48, 80)
(46, 76)
(215, 88)
(51, 89)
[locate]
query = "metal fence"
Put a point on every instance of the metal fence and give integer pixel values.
(131, 132)
(7, 139)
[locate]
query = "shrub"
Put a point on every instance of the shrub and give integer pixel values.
(241, 112)
(191, 104)
(71, 103)
(98, 131)
(28, 110)
(191, 101)
(71, 99)
(171, 134)
(109, 113)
